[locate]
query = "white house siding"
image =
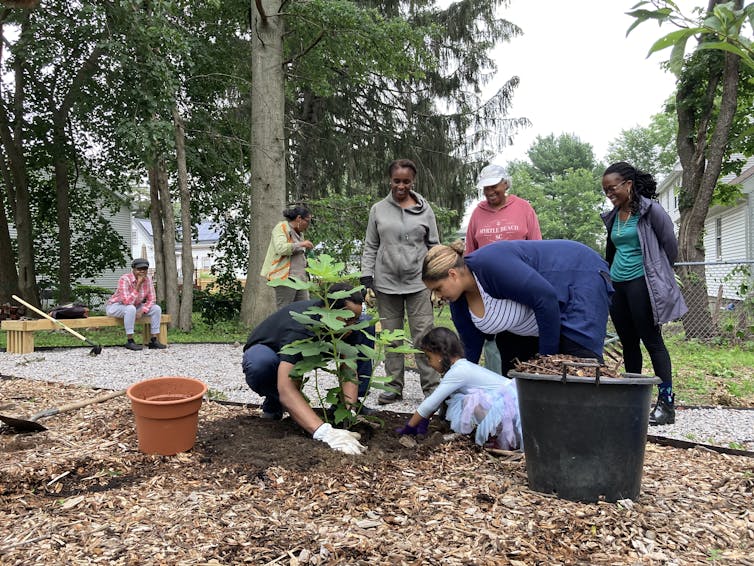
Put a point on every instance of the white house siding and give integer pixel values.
(121, 223)
(733, 248)
(142, 244)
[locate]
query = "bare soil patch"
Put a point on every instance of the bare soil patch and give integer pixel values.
(261, 492)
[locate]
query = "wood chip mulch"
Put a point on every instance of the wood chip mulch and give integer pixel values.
(259, 492)
(573, 366)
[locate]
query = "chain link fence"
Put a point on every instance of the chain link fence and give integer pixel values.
(720, 298)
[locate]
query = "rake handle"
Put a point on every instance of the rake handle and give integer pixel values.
(77, 405)
(48, 317)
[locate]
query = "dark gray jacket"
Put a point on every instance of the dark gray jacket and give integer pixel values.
(396, 242)
(659, 248)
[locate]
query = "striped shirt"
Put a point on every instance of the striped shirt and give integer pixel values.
(502, 315)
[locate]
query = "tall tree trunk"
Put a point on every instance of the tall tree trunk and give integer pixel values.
(8, 274)
(61, 154)
(155, 217)
(13, 145)
(267, 152)
(168, 244)
(187, 259)
(703, 130)
(62, 197)
(312, 108)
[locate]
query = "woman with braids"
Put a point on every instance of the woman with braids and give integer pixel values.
(286, 254)
(641, 250)
(533, 296)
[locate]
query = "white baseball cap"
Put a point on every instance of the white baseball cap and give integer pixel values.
(491, 175)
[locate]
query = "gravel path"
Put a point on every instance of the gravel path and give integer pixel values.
(219, 366)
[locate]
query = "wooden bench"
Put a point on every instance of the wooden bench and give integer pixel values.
(20, 333)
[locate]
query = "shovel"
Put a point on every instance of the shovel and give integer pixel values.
(95, 351)
(31, 424)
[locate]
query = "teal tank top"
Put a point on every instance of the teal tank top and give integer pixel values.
(628, 262)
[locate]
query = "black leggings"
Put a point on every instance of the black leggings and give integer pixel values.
(523, 348)
(631, 313)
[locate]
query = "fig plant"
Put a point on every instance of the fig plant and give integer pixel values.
(329, 349)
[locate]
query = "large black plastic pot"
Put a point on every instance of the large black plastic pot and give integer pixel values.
(584, 437)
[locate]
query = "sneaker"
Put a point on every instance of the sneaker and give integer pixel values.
(662, 414)
(155, 344)
(388, 397)
(131, 345)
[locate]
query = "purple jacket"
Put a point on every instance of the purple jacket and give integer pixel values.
(659, 250)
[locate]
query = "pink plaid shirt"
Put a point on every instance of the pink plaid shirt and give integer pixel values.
(126, 294)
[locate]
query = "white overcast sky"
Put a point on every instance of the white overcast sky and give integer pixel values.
(579, 72)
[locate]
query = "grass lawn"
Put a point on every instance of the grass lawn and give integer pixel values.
(704, 374)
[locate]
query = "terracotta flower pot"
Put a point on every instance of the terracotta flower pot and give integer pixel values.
(166, 410)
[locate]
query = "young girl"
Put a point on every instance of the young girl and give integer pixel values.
(476, 396)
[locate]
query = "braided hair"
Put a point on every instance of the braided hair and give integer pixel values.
(642, 183)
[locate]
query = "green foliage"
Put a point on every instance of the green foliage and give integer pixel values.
(220, 301)
(651, 148)
(341, 223)
(327, 349)
(346, 31)
(406, 82)
(91, 295)
(568, 200)
(700, 369)
(551, 156)
(724, 28)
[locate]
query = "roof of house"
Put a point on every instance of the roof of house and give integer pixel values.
(206, 231)
(746, 171)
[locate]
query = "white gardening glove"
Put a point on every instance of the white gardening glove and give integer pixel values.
(339, 439)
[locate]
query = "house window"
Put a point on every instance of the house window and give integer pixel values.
(719, 238)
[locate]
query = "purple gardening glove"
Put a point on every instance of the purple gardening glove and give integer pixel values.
(421, 428)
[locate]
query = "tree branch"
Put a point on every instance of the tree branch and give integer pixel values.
(305, 51)
(261, 11)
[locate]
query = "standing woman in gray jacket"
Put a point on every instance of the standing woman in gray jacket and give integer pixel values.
(401, 228)
(641, 250)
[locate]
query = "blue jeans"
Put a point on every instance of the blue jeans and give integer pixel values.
(260, 367)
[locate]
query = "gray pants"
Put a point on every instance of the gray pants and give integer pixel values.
(393, 309)
(492, 357)
(286, 296)
(128, 314)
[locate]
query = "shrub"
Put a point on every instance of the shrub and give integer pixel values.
(221, 301)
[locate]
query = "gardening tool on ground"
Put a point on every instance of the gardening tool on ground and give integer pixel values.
(31, 424)
(613, 351)
(94, 351)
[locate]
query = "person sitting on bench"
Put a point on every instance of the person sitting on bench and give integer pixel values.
(133, 299)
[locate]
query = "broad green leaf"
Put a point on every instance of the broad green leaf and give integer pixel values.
(676, 58)
(673, 38)
(723, 46)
